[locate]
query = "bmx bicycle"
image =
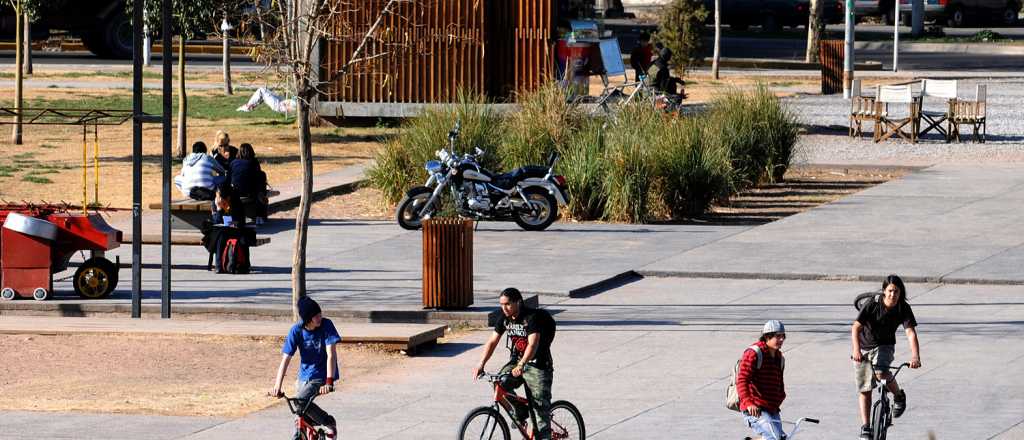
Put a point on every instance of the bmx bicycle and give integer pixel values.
(881, 409)
(487, 422)
(792, 433)
(307, 428)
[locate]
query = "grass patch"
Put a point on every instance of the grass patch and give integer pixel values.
(48, 146)
(32, 178)
(200, 106)
(24, 156)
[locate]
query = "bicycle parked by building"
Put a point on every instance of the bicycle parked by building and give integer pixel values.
(488, 423)
(881, 409)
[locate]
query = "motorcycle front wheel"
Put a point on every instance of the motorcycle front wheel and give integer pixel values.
(543, 214)
(412, 208)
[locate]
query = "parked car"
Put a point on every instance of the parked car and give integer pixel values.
(958, 13)
(772, 14)
(103, 25)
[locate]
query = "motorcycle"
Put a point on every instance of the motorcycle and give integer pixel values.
(530, 195)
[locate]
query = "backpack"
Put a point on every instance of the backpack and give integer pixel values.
(200, 193)
(732, 397)
(234, 258)
(866, 298)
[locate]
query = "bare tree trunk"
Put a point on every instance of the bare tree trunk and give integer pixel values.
(19, 79)
(813, 31)
(225, 28)
(306, 198)
(28, 45)
(181, 149)
(718, 38)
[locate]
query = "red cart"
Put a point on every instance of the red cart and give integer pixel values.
(37, 241)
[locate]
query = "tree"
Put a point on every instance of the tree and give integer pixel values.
(292, 33)
(718, 38)
(22, 10)
(814, 28)
(191, 19)
(682, 25)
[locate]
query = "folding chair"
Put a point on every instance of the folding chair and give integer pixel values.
(862, 109)
(941, 89)
(969, 113)
(889, 124)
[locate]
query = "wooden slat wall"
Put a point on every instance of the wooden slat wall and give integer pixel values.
(494, 47)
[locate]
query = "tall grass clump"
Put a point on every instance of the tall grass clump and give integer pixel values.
(630, 165)
(399, 165)
(759, 132)
(583, 166)
(544, 122)
(694, 167)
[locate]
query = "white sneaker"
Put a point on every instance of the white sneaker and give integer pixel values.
(244, 108)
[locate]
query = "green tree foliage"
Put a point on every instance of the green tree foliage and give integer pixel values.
(682, 29)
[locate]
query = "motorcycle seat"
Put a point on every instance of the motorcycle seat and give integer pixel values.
(508, 180)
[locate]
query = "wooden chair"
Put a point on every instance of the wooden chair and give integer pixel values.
(944, 90)
(889, 124)
(862, 109)
(969, 113)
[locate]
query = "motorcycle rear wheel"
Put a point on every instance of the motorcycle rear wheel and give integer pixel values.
(546, 211)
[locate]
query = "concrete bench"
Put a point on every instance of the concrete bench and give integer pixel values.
(188, 214)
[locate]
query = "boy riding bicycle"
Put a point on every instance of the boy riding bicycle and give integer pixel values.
(530, 332)
(874, 344)
(316, 339)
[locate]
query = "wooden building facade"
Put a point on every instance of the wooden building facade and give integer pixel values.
(429, 50)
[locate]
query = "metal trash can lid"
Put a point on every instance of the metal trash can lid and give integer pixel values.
(35, 227)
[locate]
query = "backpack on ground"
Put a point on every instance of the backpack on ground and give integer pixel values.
(234, 257)
(732, 396)
(866, 298)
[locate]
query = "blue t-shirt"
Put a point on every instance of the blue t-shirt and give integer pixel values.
(312, 347)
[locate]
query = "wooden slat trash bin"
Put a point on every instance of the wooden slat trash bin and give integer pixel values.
(830, 54)
(447, 263)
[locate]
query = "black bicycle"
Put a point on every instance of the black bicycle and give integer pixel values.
(486, 422)
(881, 410)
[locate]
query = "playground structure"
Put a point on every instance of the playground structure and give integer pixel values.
(38, 240)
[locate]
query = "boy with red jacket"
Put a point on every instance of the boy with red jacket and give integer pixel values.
(759, 382)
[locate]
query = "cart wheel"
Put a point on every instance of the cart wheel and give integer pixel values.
(7, 293)
(40, 294)
(96, 278)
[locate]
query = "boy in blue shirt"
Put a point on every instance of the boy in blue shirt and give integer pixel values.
(316, 339)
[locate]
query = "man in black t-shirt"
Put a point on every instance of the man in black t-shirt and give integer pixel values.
(874, 346)
(530, 332)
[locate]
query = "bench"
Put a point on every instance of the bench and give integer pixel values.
(188, 214)
(183, 240)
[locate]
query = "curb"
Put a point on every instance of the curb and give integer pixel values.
(825, 277)
(968, 48)
(477, 317)
(759, 63)
(209, 49)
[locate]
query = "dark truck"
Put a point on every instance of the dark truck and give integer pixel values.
(771, 15)
(103, 25)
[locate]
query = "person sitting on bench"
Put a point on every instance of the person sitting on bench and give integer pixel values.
(228, 209)
(224, 152)
(200, 174)
(250, 182)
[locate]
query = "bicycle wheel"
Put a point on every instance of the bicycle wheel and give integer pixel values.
(566, 422)
(878, 422)
(484, 423)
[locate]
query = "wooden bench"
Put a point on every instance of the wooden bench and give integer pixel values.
(188, 214)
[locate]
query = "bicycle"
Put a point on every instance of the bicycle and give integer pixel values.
(796, 427)
(308, 429)
(486, 422)
(881, 410)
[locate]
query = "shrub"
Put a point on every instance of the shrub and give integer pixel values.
(682, 27)
(543, 123)
(629, 163)
(399, 165)
(694, 167)
(583, 167)
(758, 131)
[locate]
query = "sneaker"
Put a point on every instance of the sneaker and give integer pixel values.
(865, 432)
(899, 403)
(244, 108)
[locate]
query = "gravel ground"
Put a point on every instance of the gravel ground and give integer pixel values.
(827, 142)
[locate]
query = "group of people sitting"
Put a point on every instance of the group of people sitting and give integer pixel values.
(230, 176)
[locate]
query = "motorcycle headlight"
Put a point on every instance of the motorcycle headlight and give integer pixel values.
(433, 166)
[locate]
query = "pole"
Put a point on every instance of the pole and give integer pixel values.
(137, 58)
(917, 17)
(167, 39)
(225, 28)
(896, 36)
(848, 38)
(19, 78)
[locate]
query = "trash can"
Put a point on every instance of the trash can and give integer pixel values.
(26, 245)
(447, 263)
(830, 54)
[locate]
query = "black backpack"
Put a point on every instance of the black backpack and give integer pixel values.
(234, 258)
(200, 193)
(866, 298)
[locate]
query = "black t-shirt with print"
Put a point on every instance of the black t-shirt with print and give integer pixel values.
(879, 325)
(528, 322)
